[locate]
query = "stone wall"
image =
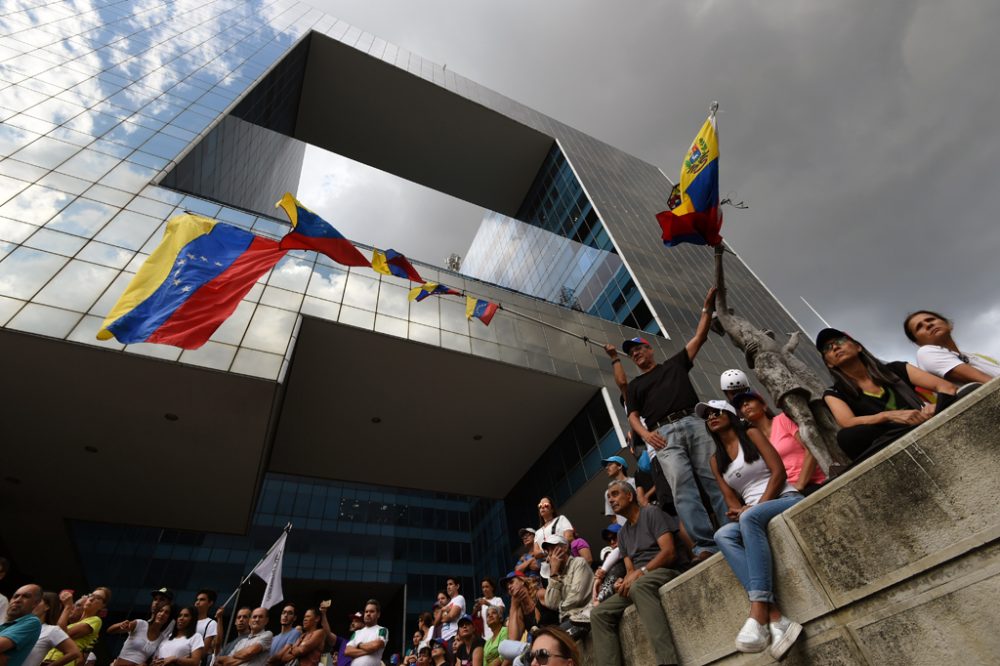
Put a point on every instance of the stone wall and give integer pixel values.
(895, 562)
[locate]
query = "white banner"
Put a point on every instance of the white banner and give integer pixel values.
(269, 570)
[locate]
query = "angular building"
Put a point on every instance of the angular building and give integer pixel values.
(404, 442)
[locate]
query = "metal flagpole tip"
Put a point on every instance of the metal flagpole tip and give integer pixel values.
(713, 108)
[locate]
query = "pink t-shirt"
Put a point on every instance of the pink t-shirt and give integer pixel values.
(792, 453)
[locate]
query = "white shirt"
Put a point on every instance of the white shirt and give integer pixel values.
(366, 634)
(179, 646)
(496, 602)
(208, 628)
(3, 608)
(558, 525)
(50, 637)
(941, 360)
(138, 648)
(450, 629)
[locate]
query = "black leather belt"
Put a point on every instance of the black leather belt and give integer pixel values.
(673, 418)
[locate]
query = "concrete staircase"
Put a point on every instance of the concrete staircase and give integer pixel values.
(895, 562)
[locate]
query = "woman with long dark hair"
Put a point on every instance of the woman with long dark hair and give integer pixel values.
(143, 637)
(874, 403)
(783, 434)
(185, 646)
(551, 523)
(939, 353)
(752, 479)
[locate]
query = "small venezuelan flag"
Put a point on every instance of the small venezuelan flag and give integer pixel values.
(432, 289)
(312, 232)
(694, 215)
(480, 309)
(391, 262)
(190, 284)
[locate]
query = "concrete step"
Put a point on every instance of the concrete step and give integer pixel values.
(895, 562)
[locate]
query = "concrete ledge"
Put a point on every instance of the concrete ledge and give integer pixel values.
(895, 562)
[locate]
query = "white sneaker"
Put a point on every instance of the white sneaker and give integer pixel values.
(784, 632)
(753, 637)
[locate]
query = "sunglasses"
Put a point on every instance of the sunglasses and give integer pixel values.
(712, 413)
(542, 656)
(836, 342)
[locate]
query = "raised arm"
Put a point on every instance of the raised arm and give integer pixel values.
(621, 381)
(701, 333)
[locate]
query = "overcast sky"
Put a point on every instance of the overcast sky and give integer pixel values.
(862, 135)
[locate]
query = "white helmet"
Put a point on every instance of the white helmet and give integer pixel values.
(734, 380)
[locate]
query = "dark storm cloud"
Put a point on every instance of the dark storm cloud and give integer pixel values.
(862, 135)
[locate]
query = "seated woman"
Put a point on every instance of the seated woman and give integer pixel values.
(752, 480)
(783, 434)
(495, 622)
(940, 355)
(874, 403)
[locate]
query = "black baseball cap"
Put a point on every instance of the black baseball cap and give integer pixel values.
(163, 592)
(828, 334)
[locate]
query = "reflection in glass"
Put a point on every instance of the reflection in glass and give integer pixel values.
(390, 326)
(43, 320)
(210, 355)
(361, 291)
(35, 204)
(46, 153)
(355, 317)
(83, 217)
(8, 306)
(394, 301)
(257, 363)
(452, 315)
(231, 331)
(77, 286)
(86, 332)
(54, 241)
(316, 307)
(291, 273)
(270, 329)
(128, 229)
(24, 271)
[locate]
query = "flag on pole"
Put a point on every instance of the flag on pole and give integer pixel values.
(695, 216)
(432, 289)
(312, 232)
(190, 284)
(480, 309)
(391, 262)
(269, 570)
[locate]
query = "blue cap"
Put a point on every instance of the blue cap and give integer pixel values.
(610, 531)
(634, 342)
(464, 620)
(615, 459)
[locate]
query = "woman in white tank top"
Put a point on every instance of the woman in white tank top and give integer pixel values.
(143, 637)
(752, 479)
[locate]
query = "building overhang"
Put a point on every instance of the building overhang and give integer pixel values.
(368, 407)
(373, 112)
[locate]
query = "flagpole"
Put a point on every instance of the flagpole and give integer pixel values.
(236, 592)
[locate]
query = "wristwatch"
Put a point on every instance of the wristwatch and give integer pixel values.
(644, 570)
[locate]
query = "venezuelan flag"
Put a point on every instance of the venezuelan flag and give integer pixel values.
(391, 262)
(696, 218)
(312, 232)
(190, 284)
(431, 289)
(480, 309)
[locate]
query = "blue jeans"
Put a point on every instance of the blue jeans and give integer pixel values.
(745, 546)
(686, 455)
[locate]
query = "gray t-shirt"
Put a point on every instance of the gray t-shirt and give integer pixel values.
(638, 542)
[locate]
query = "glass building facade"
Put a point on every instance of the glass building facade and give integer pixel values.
(116, 115)
(557, 248)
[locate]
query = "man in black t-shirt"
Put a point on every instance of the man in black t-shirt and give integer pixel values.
(661, 405)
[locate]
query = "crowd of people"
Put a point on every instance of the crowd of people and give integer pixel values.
(708, 477)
